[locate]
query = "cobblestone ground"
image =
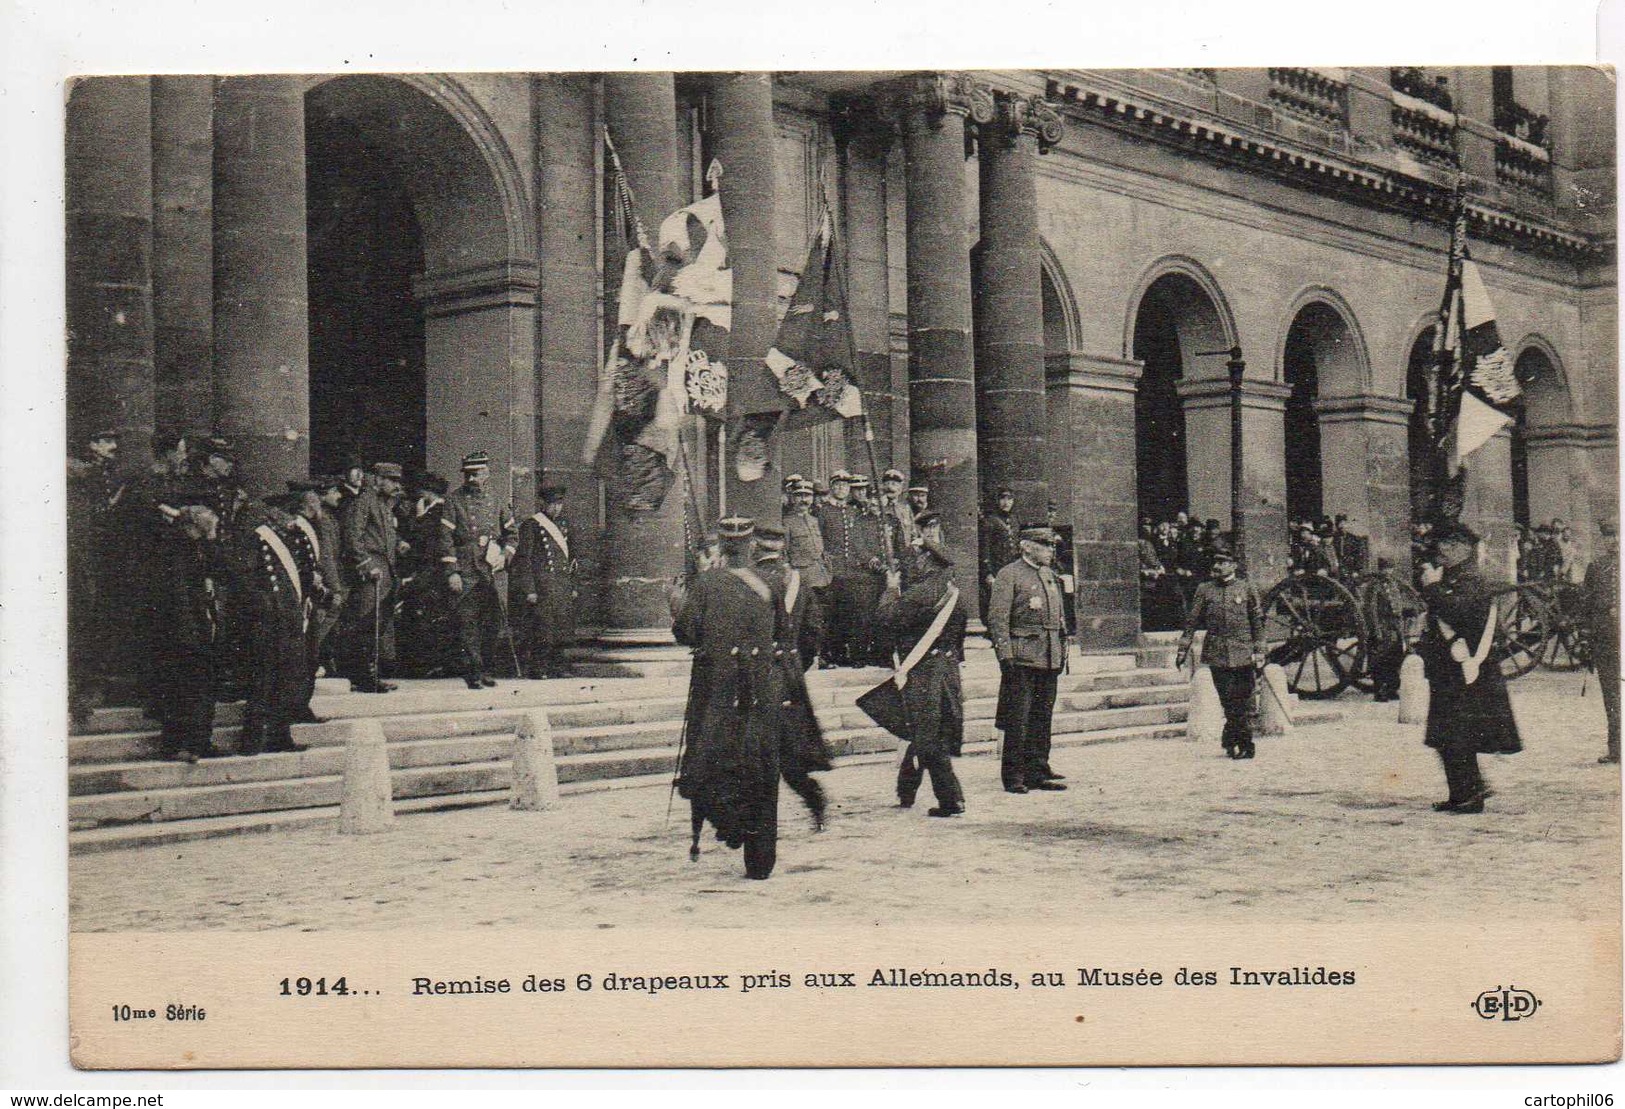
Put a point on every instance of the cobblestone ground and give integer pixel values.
(1330, 823)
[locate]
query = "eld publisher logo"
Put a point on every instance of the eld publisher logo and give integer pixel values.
(1507, 1004)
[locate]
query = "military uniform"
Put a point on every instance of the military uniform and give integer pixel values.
(1600, 591)
(1027, 626)
(368, 545)
(997, 548)
(734, 723)
(854, 550)
(932, 694)
(544, 568)
(801, 740)
(186, 615)
(1464, 719)
(304, 542)
(272, 599)
(485, 540)
(425, 634)
(804, 552)
(1232, 614)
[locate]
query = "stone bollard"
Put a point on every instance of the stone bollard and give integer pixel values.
(1413, 691)
(1205, 721)
(367, 804)
(535, 777)
(1275, 713)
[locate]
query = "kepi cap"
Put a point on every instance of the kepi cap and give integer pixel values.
(736, 527)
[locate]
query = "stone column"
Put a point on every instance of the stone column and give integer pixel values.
(1263, 479)
(933, 109)
(1010, 412)
(183, 250)
(261, 315)
(568, 356)
(1091, 472)
(864, 141)
(644, 550)
(745, 143)
(1365, 468)
(109, 261)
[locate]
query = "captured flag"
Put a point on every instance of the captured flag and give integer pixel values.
(811, 360)
(1477, 385)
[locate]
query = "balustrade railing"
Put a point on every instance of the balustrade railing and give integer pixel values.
(1317, 95)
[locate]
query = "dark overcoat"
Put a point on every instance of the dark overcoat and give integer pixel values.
(1462, 717)
(932, 694)
(801, 739)
(541, 566)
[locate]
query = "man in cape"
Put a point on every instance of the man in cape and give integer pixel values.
(927, 620)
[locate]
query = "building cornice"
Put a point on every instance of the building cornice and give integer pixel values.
(1422, 192)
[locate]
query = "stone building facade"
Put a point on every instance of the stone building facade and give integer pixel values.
(1040, 266)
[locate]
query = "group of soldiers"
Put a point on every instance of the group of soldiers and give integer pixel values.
(195, 593)
(1175, 557)
(749, 721)
(1550, 553)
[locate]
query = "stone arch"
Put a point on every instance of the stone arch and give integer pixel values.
(1343, 361)
(1546, 453)
(473, 280)
(1211, 329)
(1062, 332)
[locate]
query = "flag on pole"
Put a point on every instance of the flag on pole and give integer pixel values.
(668, 357)
(811, 359)
(1479, 383)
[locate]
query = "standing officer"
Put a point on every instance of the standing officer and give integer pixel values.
(898, 516)
(186, 614)
(1027, 626)
(272, 599)
(1469, 712)
(486, 541)
(1386, 616)
(927, 621)
(1600, 591)
(997, 544)
(423, 633)
(1231, 611)
(368, 548)
(804, 551)
(318, 565)
(849, 550)
(544, 586)
(729, 771)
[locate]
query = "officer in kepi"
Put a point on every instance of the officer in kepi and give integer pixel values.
(544, 589)
(1231, 611)
(1027, 625)
(926, 616)
(1469, 712)
(486, 540)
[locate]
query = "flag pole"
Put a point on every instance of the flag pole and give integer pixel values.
(836, 245)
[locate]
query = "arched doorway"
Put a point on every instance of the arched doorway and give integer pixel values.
(1177, 320)
(421, 282)
(1543, 487)
(1305, 491)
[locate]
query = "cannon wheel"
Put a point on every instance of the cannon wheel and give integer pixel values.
(1413, 612)
(1523, 625)
(1567, 647)
(1316, 634)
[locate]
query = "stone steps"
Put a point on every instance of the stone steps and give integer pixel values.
(448, 744)
(656, 772)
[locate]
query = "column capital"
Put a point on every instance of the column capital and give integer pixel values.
(936, 96)
(1016, 114)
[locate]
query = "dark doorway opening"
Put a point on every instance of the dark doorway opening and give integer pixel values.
(367, 381)
(1305, 488)
(1159, 416)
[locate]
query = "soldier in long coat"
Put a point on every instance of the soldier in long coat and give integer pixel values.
(186, 614)
(1469, 712)
(272, 599)
(486, 540)
(543, 586)
(318, 565)
(1231, 611)
(731, 764)
(854, 549)
(1600, 598)
(368, 547)
(801, 740)
(932, 693)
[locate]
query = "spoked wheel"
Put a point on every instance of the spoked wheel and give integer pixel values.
(1316, 634)
(1404, 608)
(1523, 626)
(1567, 647)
